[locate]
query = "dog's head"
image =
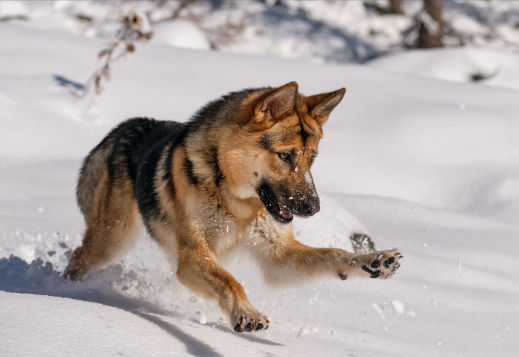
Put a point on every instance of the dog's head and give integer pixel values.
(275, 148)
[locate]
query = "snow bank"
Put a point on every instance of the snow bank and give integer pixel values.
(180, 33)
(462, 65)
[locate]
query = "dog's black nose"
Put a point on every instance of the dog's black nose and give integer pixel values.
(309, 208)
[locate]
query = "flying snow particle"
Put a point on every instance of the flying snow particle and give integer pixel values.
(315, 330)
(411, 313)
(378, 309)
(462, 106)
(203, 319)
(425, 245)
(434, 303)
(308, 178)
(304, 331)
(459, 267)
(40, 209)
(398, 306)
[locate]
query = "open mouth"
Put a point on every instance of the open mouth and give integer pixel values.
(276, 210)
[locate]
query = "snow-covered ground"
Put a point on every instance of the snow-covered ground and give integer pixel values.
(463, 65)
(428, 164)
(312, 31)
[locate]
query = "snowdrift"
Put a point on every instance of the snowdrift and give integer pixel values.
(428, 165)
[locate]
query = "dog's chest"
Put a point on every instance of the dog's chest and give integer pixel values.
(226, 233)
(223, 232)
(265, 229)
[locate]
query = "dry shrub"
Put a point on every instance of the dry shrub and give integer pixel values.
(134, 27)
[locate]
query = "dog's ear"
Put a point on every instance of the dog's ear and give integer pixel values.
(321, 105)
(277, 104)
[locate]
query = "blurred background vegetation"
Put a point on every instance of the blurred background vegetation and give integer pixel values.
(313, 31)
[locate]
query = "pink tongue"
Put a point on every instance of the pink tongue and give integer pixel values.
(284, 213)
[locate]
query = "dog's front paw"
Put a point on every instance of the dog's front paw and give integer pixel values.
(248, 319)
(382, 264)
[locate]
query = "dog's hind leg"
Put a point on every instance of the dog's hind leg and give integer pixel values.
(113, 226)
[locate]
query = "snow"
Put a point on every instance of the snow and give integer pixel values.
(462, 65)
(378, 309)
(400, 161)
(63, 327)
(398, 306)
(180, 33)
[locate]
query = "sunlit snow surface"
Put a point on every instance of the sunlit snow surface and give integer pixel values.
(400, 160)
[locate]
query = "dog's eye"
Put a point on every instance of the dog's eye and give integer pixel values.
(312, 158)
(284, 156)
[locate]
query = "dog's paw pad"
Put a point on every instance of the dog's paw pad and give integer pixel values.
(389, 262)
(383, 264)
(248, 327)
(250, 322)
(373, 273)
(238, 328)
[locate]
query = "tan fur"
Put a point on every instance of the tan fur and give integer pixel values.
(113, 226)
(211, 206)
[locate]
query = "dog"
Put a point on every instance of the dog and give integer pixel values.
(233, 176)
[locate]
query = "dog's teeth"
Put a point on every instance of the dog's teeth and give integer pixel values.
(379, 255)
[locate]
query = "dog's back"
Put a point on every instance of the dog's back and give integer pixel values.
(122, 152)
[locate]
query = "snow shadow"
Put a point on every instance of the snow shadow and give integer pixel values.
(193, 346)
(75, 88)
(299, 25)
(40, 278)
(250, 338)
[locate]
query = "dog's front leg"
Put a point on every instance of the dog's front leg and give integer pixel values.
(284, 260)
(199, 270)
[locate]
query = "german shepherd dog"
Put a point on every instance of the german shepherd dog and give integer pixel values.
(233, 176)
